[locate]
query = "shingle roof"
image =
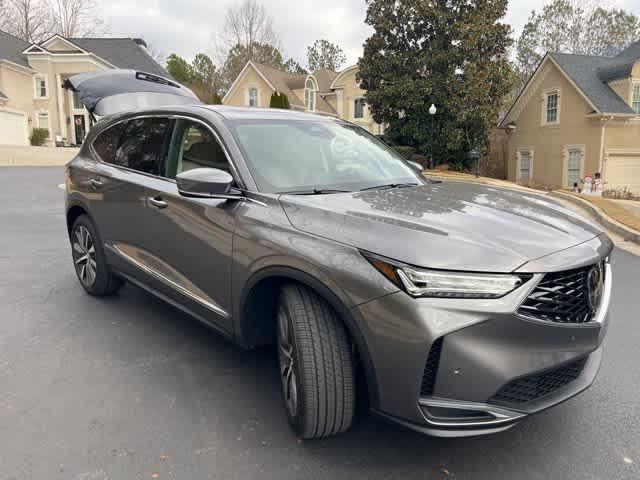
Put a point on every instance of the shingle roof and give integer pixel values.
(11, 49)
(285, 82)
(585, 72)
(324, 78)
(632, 51)
(121, 52)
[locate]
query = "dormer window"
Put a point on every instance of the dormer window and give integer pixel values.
(309, 95)
(635, 101)
(253, 97)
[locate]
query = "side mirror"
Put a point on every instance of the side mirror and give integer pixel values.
(416, 166)
(204, 182)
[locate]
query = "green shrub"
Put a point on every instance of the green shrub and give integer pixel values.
(406, 152)
(217, 99)
(39, 136)
(279, 100)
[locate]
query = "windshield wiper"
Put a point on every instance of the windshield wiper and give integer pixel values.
(389, 185)
(314, 191)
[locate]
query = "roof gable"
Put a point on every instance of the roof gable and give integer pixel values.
(60, 44)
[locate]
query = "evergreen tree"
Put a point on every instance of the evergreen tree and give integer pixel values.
(451, 53)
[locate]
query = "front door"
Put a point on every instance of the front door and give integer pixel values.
(190, 239)
(80, 128)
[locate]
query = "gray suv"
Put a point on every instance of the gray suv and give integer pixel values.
(457, 309)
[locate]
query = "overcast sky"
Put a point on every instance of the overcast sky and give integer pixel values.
(187, 27)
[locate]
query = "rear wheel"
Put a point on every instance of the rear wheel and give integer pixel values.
(89, 259)
(316, 364)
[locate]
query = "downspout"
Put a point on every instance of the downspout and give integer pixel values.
(602, 133)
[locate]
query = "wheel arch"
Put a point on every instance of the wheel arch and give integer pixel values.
(257, 313)
(74, 210)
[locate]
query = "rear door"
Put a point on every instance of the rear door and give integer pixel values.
(130, 153)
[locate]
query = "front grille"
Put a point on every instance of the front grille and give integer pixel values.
(536, 386)
(431, 368)
(561, 297)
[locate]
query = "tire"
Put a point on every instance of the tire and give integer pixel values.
(315, 364)
(89, 260)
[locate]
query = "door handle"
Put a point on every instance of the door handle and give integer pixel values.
(158, 202)
(96, 183)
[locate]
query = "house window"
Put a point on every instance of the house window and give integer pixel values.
(41, 87)
(309, 95)
(43, 120)
(525, 166)
(77, 104)
(253, 97)
(635, 103)
(552, 107)
(573, 167)
(358, 108)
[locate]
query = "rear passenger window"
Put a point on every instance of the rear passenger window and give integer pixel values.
(106, 144)
(143, 144)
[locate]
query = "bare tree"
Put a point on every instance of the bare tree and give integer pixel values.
(27, 19)
(247, 25)
(76, 18)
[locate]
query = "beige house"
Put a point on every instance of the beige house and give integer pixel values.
(576, 116)
(324, 92)
(31, 78)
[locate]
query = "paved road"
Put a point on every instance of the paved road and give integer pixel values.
(128, 387)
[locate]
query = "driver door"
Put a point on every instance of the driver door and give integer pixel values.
(193, 236)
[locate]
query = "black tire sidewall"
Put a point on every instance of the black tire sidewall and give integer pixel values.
(101, 283)
(298, 421)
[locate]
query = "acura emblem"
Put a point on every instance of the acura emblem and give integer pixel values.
(595, 284)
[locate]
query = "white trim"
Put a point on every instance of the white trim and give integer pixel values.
(64, 40)
(240, 75)
(16, 67)
(42, 112)
(340, 75)
(32, 46)
(70, 57)
(545, 106)
(519, 151)
(36, 86)
(314, 93)
(566, 151)
(247, 95)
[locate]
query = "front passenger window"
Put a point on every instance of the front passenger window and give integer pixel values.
(194, 146)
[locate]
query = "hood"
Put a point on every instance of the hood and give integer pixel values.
(110, 92)
(450, 225)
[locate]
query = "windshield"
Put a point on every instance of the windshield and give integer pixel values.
(298, 155)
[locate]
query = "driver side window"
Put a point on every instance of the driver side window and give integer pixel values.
(194, 146)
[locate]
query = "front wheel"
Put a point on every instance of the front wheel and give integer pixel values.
(89, 259)
(316, 364)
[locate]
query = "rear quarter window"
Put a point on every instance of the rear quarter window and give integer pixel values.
(106, 143)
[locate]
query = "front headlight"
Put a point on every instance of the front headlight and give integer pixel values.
(419, 282)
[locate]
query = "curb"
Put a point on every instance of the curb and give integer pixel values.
(625, 232)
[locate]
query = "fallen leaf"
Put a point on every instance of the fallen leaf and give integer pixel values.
(155, 475)
(627, 460)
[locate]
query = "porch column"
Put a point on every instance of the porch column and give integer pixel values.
(60, 102)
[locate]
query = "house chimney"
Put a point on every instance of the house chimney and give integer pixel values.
(141, 42)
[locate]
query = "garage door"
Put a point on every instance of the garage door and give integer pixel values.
(623, 171)
(12, 128)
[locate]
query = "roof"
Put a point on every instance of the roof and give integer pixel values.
(585, 70)
(120, 52)
(285, 82)
(11, 49)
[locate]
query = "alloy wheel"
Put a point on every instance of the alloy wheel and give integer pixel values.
(84, 256)
(286, 358)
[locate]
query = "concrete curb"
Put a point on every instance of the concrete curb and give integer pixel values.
(625, 232)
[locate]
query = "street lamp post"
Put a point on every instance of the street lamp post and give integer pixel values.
(432, 112)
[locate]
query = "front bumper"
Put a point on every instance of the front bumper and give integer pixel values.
(483, 348)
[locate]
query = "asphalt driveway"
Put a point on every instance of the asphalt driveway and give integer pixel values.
(130, 388)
